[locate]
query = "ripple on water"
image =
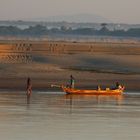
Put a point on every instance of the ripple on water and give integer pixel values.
(58, 116)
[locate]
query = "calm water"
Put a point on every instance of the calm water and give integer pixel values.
(55, 116)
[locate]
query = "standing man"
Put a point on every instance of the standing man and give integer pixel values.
(72, 81)
(29, 90)
(29, 87)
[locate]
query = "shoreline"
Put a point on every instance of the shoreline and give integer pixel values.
(44, 84)
(56, 91)
(60, 92)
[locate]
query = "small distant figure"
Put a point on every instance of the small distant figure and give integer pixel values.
(120, 87)
(117, 85)
(29, 87)
(98, 87)
(72, 81)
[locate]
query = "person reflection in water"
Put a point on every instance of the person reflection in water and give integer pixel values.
(29, 89)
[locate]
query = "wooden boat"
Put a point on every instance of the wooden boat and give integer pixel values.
(99, 91)
(93, 92)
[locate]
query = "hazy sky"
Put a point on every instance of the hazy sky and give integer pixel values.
(122, 11)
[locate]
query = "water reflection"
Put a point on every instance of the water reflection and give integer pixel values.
(96, 99)
(28, 99)
(53, 116)
(91, 101)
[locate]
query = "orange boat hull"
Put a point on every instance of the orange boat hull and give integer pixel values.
(93, 92)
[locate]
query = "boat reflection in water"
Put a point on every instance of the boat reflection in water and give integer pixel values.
(98, 98)
(55, 115)
(89, 101)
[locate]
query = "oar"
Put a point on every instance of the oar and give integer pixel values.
(56, 86)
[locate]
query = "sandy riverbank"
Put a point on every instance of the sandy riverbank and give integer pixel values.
(53, 63)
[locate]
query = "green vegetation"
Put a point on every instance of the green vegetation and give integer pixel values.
(40, 30)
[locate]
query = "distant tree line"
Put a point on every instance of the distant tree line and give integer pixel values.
(40, 30)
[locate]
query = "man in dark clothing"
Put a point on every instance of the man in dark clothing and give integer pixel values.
(72, 81)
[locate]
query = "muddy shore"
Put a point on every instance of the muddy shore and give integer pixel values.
(91, 63)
